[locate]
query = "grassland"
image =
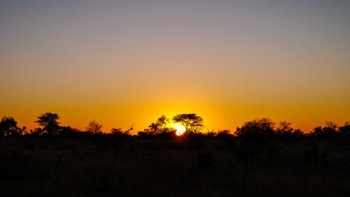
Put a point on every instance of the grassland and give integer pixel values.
(134, 166)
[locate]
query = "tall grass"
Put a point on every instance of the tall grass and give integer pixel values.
(170, 167)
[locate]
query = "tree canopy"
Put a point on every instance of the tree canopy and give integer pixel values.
(94, 127)
(8, 127)
(192, 122)
(49, 122)
(263, 127)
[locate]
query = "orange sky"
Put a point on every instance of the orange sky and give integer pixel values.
(129, 62)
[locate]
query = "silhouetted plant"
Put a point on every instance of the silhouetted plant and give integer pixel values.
(8, 127)
(166, 133)
(49, 122)
(345, 129)
(158, 127)
(317, 131)
(69, 132)
(94, 128)
(297, 134)
(284, 129)
(191, 122)
(226, 138)
(329, 132)
(223, 134)
(118, 131)
(331, 129)
(36, 132)
(259, 128)
(256, 135)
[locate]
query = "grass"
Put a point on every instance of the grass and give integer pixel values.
(174, 167)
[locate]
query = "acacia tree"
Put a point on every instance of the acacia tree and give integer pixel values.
(191, 122)
(49, 122)
(94, 127)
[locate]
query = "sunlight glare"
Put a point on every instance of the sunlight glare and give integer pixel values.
(180, 129)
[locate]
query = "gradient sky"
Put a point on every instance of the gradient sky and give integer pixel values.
(128, 62)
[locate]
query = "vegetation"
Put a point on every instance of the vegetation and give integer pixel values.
(8, 127)
(49, 122)
(191, 122)
(260, 158)
(94, 128)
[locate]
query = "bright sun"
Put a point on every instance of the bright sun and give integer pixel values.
(180, 129)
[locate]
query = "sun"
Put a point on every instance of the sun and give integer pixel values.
(180, 129)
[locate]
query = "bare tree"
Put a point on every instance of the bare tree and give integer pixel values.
(94, 127)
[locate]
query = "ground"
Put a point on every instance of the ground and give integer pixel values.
(171, 167)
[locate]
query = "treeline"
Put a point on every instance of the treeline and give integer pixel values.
(258, 129)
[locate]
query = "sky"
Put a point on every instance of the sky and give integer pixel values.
(128, 62)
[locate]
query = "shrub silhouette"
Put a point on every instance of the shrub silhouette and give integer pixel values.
(69, 132)
(119, 132)
(344, 132)
(345, 129)
(227, 139)
(297, 134)
(36, 132)
(329, 132)
(284, 129)
(94, 128)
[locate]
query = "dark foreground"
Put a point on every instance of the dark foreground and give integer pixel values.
(172, 167)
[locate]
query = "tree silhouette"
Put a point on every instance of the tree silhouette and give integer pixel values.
(257, 128)
(8, 127)
(49, 122)
(284, 129)
(330, 131)
(191, 122)
(94, 127)
(297, 134)
(159, 126)
(256, 135)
